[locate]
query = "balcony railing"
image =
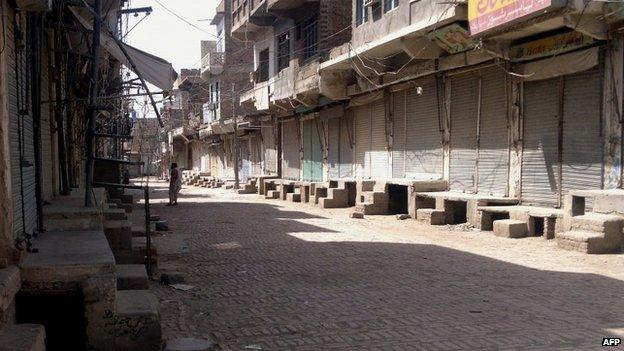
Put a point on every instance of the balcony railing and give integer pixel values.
(213, 63)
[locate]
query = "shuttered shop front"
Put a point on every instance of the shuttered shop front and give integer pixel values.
(423, 139)
(290, 150)
(22, 138)
(379, 141)
(544, 179)
(269, 146)
(312, 151)
(340, 149)
(362, 141)
(493, 162)
(464, 109)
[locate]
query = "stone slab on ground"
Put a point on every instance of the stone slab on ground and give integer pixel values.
(137, 321)
(510, 228)
(22, 337)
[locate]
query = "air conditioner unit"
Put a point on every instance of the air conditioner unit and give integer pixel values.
(34, 5)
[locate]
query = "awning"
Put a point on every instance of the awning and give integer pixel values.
(153, 69)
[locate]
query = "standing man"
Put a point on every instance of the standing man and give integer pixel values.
(175, 184)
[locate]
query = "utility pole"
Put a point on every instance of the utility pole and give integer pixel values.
(236, 181)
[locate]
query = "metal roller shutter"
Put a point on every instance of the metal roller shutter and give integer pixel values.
(423, 144)
(399, 133)
(312, 152)
(464, 100)
(582, 139)
(245, 159)
(333, 151)
(493, 166)
(290, 150)
(346, 146)
(362, 141)
(46, 130)
(270, 149)
(379, 141)
(540, 171)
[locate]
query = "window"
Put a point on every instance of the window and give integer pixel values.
(283, 51)
(376, 11)
(263, 65)
(309, 32)
(390, 4)
(361, 12)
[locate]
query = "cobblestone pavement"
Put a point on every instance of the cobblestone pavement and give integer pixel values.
(272, 275)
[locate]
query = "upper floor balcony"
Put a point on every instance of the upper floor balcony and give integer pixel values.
(284, 5)
(212, 64)
(248, 16)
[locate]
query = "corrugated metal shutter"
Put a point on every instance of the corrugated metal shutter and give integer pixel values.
(362, 141)
(46, 130)
(346, 146)
(493, 140)
(290, 150)
(21, 128)
(423, 146)
(312, 152)
(245, 159)
(540, 172)
(379, 141)
(464, 100)
(582, 140)
(333, 150)
(270, 149)
(399, 134)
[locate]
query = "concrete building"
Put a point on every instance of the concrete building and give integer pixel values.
(66, 246)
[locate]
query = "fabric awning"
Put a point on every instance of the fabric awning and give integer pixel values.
(153, 69)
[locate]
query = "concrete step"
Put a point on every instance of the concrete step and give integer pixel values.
(588, 242)
(70, 218)
(115, 214)
(336, 198)
(272, 195)
(431, 216)
(598, 222)
(293, 197)
(137, 321)
(131, 277)
(510, 228)
(23, 337)
(127, 198)
(119, 234)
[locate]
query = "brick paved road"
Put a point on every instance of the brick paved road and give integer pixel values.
(280, 276)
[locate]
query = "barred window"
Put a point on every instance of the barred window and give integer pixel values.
(283, 51)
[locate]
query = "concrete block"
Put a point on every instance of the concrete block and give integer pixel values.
(357, 215)
(403, 216)
(161, 225)
(510, 228)
(131, 277)
(431, 216)
(23, 337)
(10, 284)
(191, 344)
(587, 242)
(118, 234)
(137, 321)
(293, 197)
(115, 214)
(127, 198)
(272, 195)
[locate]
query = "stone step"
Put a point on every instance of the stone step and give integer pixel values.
(137, 321)
(588, 242)
(119, 234)
(272, 195)
(115, 214)
(127, 198)
(598, 222)
(431, 216)
(293, 197)
(131, 277)
(23, 337)
(510, 228)
(336, 198)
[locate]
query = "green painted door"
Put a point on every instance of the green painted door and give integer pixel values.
(312, 152)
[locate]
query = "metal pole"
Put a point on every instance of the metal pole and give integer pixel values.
(236, 180)
(148, 236)
(93, 93)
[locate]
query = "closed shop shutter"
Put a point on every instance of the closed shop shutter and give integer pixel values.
(333, 150)
(197, 152)
(362, 141)
(290, 150)
(464, 100)
(205, 157)
(540, 172)
(312, 152)
(269, 146)
(379, 141)
(48, 146)
(22, 140)
(245, 159)
(423, 144)
(399, 134)
(582, 140)
(493, 161)
(346, 146)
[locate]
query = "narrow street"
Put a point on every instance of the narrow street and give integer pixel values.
(273, 275)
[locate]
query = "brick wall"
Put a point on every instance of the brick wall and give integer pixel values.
(334, 17)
